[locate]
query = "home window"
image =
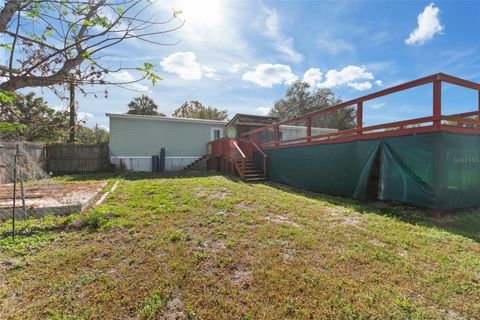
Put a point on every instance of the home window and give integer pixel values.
(216, 134)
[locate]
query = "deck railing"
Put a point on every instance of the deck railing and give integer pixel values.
(307, 129)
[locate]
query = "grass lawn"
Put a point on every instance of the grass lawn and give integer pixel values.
(210, 247)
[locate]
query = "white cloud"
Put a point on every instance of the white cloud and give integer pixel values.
(125, 77)
(347, 75)
(185, 65)
(210, 72)
(268, 75)
(237, 67)
(379, 83)
(428, 26)
(376, 106)
(84, 116)
(360, 86)
(282, 43)
(213, 29)
(262, 110)
(312, 76)
(104, 127)
(332, 45)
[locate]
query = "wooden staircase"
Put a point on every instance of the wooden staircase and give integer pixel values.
(198, 165)
(251, 170)
(242, 162)
(236, 157)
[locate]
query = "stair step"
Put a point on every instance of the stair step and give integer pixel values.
(255, 179)
(254, 176)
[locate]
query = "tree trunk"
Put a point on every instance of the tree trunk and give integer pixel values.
(72, 113)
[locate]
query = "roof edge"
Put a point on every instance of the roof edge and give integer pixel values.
(162, 118)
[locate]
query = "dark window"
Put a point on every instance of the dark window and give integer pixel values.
(216, 134)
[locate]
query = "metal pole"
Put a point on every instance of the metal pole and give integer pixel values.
(14, 191)
(22, 192)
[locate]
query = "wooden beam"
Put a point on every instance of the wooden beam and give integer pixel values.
(276, 135)
(360, 115)
(309, 129)
(437, 102)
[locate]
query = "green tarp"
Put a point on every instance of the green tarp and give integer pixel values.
(434, 170)
(340, 169)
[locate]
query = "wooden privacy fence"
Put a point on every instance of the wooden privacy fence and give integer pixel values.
(77, 158)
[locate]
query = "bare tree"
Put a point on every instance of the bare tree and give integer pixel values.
(54, 42)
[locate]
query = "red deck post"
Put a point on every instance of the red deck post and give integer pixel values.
(276, 134)
(479, 104)
(360, 116)
(437, 102)
(309, 129)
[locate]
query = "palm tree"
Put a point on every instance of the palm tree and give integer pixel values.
(143, 105)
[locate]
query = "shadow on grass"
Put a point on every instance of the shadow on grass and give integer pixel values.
(462, 222)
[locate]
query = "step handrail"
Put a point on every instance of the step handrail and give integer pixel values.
(241, 171)
(265, 158)
(238, 149)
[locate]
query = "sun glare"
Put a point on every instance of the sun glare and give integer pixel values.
(201, 12)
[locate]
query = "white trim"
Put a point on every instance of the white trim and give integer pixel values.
(212, 132)
(145, 163)
(149, 157)
(162, 118)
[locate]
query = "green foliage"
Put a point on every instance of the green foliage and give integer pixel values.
(195, 109)
(299, 100)
(85, 135)
(175, 235)
(143, 105)
(33, 119)
(7, 127)
(59, 33)
(94, 220)
(150, 72)
(153, 306)
(6, 97)
(6, 46)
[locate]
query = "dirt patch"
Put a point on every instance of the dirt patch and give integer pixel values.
(347, 221)
(175, 307)
(50, 194)
(402, 252)
(217, 246)
(377, 243)
(350, 221)
(282, 220)
(245, 206)
(220, 195)
(241, 277)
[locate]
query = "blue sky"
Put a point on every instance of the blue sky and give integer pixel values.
(241, 55)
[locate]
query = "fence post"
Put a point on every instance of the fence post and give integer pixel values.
(437, 102)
